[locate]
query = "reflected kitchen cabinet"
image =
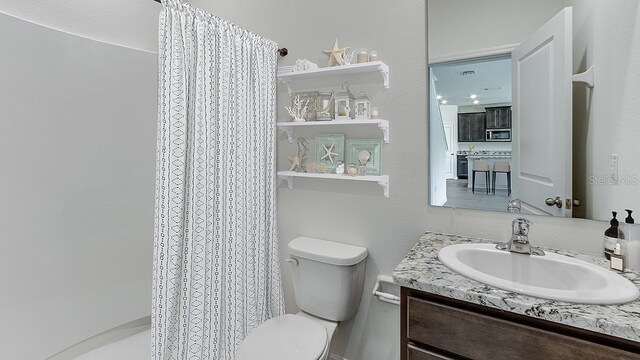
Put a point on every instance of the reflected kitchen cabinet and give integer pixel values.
(498, 117)
(471, 127)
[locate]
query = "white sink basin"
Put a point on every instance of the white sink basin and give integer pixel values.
(552, 276)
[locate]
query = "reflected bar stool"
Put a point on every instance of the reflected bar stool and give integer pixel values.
(501, 166)
(480, 166)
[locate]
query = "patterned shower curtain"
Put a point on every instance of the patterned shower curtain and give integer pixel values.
(216, 271)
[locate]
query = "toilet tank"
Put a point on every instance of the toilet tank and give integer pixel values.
(327, 277)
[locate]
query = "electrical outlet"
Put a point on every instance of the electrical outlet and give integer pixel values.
(614, 166)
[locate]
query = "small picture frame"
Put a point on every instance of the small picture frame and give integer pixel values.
(312, 96)
(330, 150)
(373, 147)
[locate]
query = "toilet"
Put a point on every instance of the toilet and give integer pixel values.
(327, 282)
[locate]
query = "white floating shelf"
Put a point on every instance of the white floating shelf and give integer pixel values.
(382, 180)
(290, 77)
(289, 126)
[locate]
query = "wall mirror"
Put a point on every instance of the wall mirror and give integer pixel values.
(510, 119)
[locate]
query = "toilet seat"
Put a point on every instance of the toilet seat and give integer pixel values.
(286, 337)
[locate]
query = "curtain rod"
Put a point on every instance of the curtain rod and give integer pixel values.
(282, 51)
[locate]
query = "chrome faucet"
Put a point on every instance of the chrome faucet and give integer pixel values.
(519, 242)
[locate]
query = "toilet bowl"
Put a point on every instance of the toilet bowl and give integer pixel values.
(286, 337)
(327, 282)
(289, 337)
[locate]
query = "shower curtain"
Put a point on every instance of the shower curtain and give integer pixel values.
(216, 271)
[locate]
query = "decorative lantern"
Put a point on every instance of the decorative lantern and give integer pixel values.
(343, 101)
(363, 106)
(324, 108)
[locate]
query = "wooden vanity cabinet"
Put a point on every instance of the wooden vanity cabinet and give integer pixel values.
(437, 327)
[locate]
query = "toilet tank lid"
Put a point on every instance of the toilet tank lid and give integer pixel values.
(329, 252)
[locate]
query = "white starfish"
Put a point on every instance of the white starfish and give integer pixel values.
(295, 162)
(335, 54)
(328, 152)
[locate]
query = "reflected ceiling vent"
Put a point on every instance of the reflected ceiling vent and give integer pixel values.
(468, 73)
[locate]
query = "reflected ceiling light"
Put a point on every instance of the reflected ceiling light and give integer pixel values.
(476, 102)
(443, 102)
(439, 97)
(473, 96)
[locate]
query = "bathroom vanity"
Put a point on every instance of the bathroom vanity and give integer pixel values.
(445, 315)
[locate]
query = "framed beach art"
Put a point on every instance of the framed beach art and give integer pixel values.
(367, 152)
(330, 150)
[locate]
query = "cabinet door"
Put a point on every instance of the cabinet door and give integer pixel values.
(492, 118)
(456, 331)
(504, 118)
(499, 117)
(478, 129)
(464, 128)
(471, 127)
(463, 167)
(416, 353)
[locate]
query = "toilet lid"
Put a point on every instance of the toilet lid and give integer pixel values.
(286, 337)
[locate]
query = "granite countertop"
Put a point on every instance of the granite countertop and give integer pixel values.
(484, 152)
(421, 270)
(488, 156)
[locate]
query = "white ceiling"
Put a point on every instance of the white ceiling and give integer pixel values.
(491, 81)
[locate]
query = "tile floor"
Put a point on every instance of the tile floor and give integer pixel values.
(460, 196)
(135, 347)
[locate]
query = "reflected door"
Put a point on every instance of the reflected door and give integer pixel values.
(542, 115)
(450, 157)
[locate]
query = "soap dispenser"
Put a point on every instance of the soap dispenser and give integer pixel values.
(629, 219)
(628, 225)
(633, 242)
(611, 236)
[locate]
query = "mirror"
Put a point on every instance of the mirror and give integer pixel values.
(583, 151)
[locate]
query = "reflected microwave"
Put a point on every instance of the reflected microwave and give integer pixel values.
(498, 135)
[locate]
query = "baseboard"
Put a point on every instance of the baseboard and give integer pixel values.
(107, 337)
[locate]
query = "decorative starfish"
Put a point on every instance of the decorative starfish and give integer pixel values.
(295, 162)
(328, 152)
(335, 54)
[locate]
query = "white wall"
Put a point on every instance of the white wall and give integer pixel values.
(77, 148)
(478, 108)
(583, 51)
(611, 123)
(130, 23)
(449, 113)
(460, 26)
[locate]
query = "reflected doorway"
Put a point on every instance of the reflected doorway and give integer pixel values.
(471, 111)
